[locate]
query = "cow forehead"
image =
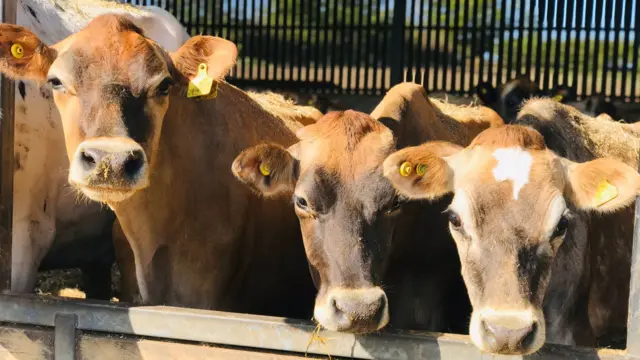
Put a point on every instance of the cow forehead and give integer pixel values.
(123, 56)
(510, 186)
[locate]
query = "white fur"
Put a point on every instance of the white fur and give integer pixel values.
(39, 140)
(513, 164)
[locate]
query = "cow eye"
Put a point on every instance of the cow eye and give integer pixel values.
(164, 87)
(55, 83)
(454, 219)
(561, 228)
(300, 202)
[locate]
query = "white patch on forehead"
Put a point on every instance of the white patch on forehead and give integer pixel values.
(513, 164)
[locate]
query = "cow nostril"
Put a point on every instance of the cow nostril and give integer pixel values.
(87, 158)
(530, 337)
(133, 164)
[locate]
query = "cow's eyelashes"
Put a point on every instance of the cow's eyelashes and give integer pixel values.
(55, 83)
(300, 203)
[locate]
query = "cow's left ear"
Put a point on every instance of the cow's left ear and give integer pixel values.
(602, 185)
(218, 54)
(422, 172)
(23, 56)
(268, 169)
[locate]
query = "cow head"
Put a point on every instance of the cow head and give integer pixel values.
(112, 87)
(514, 202)
(510, 97)
(347, 211)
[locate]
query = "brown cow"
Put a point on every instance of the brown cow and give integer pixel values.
(529, 248)
(161, 161)
(359, 236)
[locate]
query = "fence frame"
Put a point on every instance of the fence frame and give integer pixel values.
(66, 317)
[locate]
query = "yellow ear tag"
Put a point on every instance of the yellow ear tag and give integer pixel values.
(558, 98)
(421, 169)
(201, 84)
(405, 169)
(17, 51)
(264, 169)
(605, 193)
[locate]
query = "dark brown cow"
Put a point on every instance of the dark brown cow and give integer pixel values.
(538, 220)
(362, 241)
(161, 161)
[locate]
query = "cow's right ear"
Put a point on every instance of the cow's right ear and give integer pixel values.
(422, 172)
(23, 55)
(268, 169)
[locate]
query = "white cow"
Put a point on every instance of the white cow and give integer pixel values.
(47, 214)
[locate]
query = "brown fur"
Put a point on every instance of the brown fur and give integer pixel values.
(295, 116)
(198, 237)
(340, 180)
(509, 261)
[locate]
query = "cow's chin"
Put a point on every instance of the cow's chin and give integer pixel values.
(109, 196)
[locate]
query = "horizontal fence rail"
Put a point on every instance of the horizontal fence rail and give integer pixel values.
(366, 46)
(262, 332)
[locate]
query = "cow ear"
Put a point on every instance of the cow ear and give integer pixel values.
(219, 55)
(267, 169)
(603, 185)
(422, 172)
(23, 55)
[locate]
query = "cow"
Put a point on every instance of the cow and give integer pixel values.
(542, 223)
(508, 98)
(593, 105)
(365, 246)
(51, 228)
(152, 134)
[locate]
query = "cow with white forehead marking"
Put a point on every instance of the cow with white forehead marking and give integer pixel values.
(543, 233)
(51, 228)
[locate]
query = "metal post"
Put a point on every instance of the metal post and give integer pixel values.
(397, 42)
(65, 336)
(7, 96)
(633, 324)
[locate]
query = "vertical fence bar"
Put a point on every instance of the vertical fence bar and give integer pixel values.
(369, 71)
(579, 13)
(455, 30)
(530, 36)
(429, 59)
(446, 53)
(464, 31)
(7, 98)
(503, 18)
(351, 48)
(519, 50)
(625, 49)
(397, 41)
(494, 17)
(483, 39)
(557, 23)
(605, 59)
(548, 17)
(361, 46)
(512, 29)
(636, 53)
(617, 26)
(587, 45)
(437, 49)
(474, 49)
(596, 45)
(539, 27)
(411, 66)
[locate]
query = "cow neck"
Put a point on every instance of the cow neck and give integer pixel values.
(193, 204)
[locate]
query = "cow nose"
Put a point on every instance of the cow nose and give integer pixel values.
(127, 164)
(509, 336)
(114, 164)
(356, 311)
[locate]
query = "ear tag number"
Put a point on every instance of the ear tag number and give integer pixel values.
(264, 169)
(202, 84)
(605, 193)
(405, 169)
(17, 51)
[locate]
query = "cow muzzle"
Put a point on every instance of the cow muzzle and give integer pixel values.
(353, 310)
(508, 332)
(109, 170)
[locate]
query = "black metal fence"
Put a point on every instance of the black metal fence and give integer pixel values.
(366, 46)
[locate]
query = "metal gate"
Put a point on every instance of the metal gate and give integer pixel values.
(367, 46)
(64, 329)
